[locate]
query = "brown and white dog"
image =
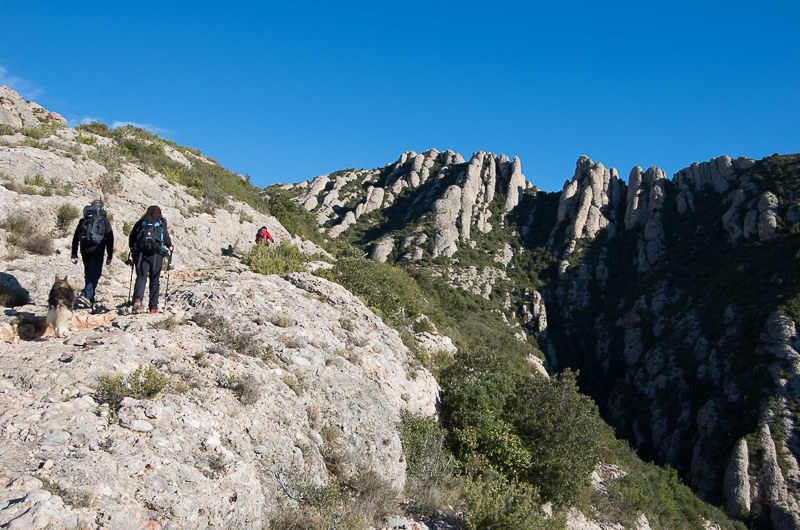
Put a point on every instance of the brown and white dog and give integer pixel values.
(60, 302)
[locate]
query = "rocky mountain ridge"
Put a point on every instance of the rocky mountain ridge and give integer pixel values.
(625, 291)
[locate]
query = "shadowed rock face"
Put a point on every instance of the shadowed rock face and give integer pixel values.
(645, 355)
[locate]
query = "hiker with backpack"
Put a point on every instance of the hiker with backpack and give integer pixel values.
(149, 243)
(263, 236)
(95, 237)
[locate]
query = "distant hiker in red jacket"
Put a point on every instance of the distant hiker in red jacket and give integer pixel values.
(263, 236)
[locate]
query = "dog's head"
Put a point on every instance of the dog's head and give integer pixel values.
(61, 283)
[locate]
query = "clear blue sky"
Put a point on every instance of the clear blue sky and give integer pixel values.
(291, 90)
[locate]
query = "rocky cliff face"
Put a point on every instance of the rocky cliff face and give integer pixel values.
(696, 331)
(666, 294)
(455, 194)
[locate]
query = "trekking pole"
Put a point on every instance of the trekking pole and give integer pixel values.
(130, 284)
(166, 289)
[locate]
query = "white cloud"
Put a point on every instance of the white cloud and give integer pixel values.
(145, 126)
(74, 122)
(26, 89)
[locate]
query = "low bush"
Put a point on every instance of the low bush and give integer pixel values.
(496, 502)
(139, 384)
(88, 140)
(432, 484)
(358, 505)
(71, 497)
(25, 233)
(65, 214)
(95, 127)
(276, 258)
(225, 335)
(109, 183)
(247, 388)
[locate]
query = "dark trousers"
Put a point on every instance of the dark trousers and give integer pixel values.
(92, 269)
(148, 267)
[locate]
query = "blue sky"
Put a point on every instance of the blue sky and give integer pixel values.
(288, 91)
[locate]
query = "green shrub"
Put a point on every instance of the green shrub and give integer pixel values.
(294, 217)
(527, 426)
(65, 215)
(6, 130)
(95, 127)
(423, 325)
(139, 384)
(432, 484)
(276, 258)
(39, 133)
(496, 502)
(88, 140)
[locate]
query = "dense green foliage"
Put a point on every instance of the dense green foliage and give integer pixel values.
(479, 498)
(389, 290)
(524, 425)
(275, 258)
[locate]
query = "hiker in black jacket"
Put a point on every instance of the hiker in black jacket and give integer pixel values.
(95, 237)
(149, 242)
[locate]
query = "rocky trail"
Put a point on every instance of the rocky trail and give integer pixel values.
(217, 446)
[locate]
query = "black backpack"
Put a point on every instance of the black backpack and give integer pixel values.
(93, 229)
(150, 239)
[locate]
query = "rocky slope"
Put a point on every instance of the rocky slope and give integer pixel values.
(271, 382)
(677, 298)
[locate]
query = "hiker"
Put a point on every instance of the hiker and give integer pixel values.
(263, 236)
(95, 237)
(149, 242)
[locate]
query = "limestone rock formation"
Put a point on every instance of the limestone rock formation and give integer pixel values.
(589, 202)
(18, 113)
(444, 178)
(737, 481)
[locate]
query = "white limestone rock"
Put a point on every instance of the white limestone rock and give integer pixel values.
(18, 113)
(516, 185)
(445, 211)
(382, 249)
(372, 201)
(589, 202)
(736, 485)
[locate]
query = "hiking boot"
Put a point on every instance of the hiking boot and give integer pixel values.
(137, 304)
(154, 310)
(84, 302)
